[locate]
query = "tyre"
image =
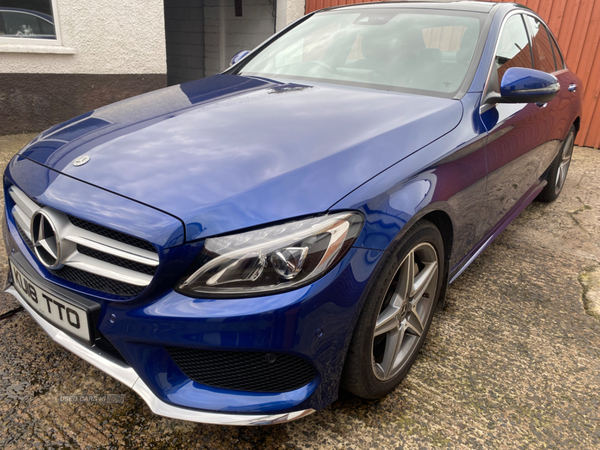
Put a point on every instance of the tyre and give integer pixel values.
(397, 314)
(557, 174)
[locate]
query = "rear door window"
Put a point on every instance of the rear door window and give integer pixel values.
(560, 64)
(543, 57)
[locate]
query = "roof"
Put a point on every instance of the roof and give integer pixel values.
(449, 5)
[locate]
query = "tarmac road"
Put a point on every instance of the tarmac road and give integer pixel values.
(513, 362)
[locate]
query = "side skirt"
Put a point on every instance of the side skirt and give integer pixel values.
(495, 232)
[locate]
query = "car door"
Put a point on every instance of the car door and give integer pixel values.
(517, 132)
(557, 112)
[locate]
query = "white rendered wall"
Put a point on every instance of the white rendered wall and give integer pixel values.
(289, 11)
(98, 37)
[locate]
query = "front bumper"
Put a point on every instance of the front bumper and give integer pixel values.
(129, 378)
(314, 323)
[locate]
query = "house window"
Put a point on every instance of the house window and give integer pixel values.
(28, 21)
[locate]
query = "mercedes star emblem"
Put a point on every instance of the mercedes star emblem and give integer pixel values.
(45, 240)
(80, 161)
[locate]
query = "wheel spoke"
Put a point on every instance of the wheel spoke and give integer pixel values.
(561, 173)
(386, 321)
(423, 280)
(416, 315)
(560, 176)
(392, 348)
(406, 282)
(412, 326)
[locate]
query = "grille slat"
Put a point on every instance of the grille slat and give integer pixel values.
(115, 260)
(244, 371)
(103, 244)
(99, 258)
(26, 205)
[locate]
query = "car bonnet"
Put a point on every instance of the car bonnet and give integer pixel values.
(231, 152)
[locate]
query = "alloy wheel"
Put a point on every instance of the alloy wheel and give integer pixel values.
(561, 173)
(406, 309)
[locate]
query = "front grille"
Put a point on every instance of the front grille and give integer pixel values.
(244, 371)
(102, 259)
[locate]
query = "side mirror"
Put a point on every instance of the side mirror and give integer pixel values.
(521, 85)
(238, 57)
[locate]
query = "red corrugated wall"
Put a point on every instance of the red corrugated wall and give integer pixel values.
(576, 24)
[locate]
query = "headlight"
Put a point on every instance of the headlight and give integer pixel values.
(272, 259)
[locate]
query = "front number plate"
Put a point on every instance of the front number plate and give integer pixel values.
(63, 315)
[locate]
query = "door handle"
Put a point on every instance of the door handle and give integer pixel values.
(573, 87)
(542, 104)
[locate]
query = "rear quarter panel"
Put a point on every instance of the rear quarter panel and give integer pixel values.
(566, 107)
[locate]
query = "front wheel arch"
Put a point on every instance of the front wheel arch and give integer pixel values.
(443, 222)
(354, 376)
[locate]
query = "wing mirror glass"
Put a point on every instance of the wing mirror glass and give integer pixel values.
(522, 85)
(238, 57)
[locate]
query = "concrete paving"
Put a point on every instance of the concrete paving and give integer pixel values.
(513, 362)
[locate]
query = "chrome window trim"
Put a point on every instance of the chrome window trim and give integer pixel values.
(130, 378)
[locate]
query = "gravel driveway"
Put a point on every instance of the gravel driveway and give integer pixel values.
(512, 362)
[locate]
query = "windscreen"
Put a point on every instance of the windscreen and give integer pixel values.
(412, 50)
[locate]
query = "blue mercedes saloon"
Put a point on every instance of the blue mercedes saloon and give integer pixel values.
(237, 249)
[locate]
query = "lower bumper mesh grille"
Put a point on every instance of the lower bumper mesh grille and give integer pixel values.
(244, 371)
